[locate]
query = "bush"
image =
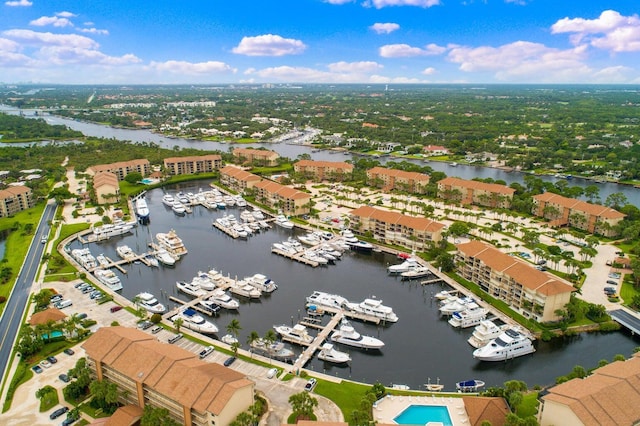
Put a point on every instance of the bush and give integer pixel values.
(88, 323)
(3, 299)
(156, 318)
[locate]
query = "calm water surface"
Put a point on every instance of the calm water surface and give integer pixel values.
(420, 345)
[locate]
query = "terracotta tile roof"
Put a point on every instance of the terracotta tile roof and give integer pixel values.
(413, 222)
(209, 157)
(475, 185)
(120, 165)
(255, 152)
(127, 415)
(239, 174)
(12, 191)
(168, 369)
(398, 174)
(43, 317)
(479, 409)
(326, 164)
(105, 178)
(281, 190)
(610, 396)
(579, 205)
(523, 273)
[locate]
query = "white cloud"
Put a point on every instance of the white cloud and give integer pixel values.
(191, 68)
(429, 71)
(610, 31)
(385, 28)
(396, 80)
(379, 4)
(93, 31)
(405, 51)
(355, 67)
(62, 55)
(51, 20)
(15, 3)
(65, 14)
(616, 74)
(339, 1)
(524, 61)
(35, 38)
(518, 2)
(269, 45)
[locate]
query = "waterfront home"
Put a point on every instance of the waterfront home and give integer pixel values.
(106, 187)
(237, 179)
(475, 192)
(321, 170)
(534, 294)
(562, 211)
(14, 199)
(262, 157)
(390, 179)
(122, 168)
(290, 201)
(147, 371)
(192, 164)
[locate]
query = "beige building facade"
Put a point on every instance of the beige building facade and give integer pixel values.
(192, 164)
(279, 197)
(334, 171)
(106, 187)
(390, 179)
(260, 157)
(474, 192)
(15, 199)
(237, 179)
(122, 168)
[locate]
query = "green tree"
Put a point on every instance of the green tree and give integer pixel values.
(234, 328)
(154, 416)
(302, 405)
(177, 324)
(133, 177)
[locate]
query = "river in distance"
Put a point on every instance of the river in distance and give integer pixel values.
(421, 345)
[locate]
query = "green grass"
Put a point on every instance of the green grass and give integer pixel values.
(346, 395)
(627, 292)
(528, 406)
(92, 412)
(49, 400)
(23, 374)
(57, 263)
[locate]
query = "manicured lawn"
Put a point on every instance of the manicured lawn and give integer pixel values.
(57, 263)
(49, 400)
(346, 395)
(627, 292)
(23, 374)
(528, 406)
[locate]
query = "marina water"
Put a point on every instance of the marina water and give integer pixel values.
(419, 346)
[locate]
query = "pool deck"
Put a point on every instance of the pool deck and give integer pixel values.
(386, 409)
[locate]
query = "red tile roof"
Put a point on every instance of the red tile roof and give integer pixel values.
(326, 164)
(399, 174)
(417, 223)
(582, 206)
(475, 185)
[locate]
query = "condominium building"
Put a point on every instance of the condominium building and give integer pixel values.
(389, 179)
(474, 192)
(192, 164)
(279, 197)
(562, 211)
(14, 199)
(532, 293)
(416, 233)
(609, 396)
(106, 187)
(122, 168)
(260, 157)
(148, 372)
(237, 179)
(321, 170)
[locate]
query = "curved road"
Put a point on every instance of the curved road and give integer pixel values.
(17, 302)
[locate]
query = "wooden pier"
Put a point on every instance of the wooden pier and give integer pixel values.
(311, 349)
(227, 230)
(432, 281)
(350, 314)
(298, 257)
(118, 263)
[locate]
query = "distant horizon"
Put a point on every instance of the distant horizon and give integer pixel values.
(320, 42)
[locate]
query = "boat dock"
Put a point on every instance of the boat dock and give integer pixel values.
(311, 349)
(432, 281)
(191, 304)
(118, 263)
(227, 230)
(350, 314)
(298, 257)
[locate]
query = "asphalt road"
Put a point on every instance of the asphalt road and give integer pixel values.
(12, 315)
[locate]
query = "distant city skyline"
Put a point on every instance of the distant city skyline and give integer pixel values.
(319, 41)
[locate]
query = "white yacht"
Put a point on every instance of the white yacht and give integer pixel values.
(210, 307)
(347, 335)
(320, 298)
(373, 307)
(262, 283)
(192, 320)
(190, 289)
(229, 339)
(203, 280)
(215, 276)
(171, 243)
(84, 258)
(244, 289)
(296, 334)
(102, 260)
(444, 294)
(275, 350)
(152, 261)
(142, 210)
(310, 239)
(258, 214)
(125, 252)
(222, 299)
(150, 303)
(164, 257)
(314, 257)
(471, 316)
(168, 200)
(330, 354)
(484, 332)
(178, 208)
(240, 202)
(108, 278)
(281, 220)
(360, 245)
(415, 273)
(459, 304)
(510, 344)
(405, 266)
(109, 230)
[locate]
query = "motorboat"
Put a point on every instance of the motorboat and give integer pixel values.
(457, 305)
(360, 245)
(152, 261)
(415, 273)
(150, 303)
(125, 252)
(192, 320)
(309, 239)
(246, 216)
(240, 202)
(142, 210)
(102, 260)
(171, 243)
(314, 257)
(320, 298)
(258, 214)
(190, 289)
(222, 299)
(178, 208)
(108, 278)
(168, 200)
(330, 354)
(214, 276)
(275, 350)
(296, 334)
(295, 245)
(109, 230)
(284, 248)
(203, 280)
(164, 257)
(471, 316)
(262, 283)
(444, 294)
(229, 339)
(433, 387)
(512, 343)
(347, 335)
(405, 266)
(84, 258)
(469, 385)
(244, 289)
(210, 307)
(348, 236)
(282, 221)
(375, 308)
(484, 332)
(229, 200)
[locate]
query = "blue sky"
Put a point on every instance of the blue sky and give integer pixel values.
(319, 41)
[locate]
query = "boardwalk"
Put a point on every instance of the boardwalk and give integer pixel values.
(308, 353)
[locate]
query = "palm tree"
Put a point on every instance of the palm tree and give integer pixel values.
(253, 337)
(234, 328)
(177, 324)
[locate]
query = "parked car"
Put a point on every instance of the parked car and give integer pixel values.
(68, 421)
(115, 308)
(80, 284)
(145, 325)
(610, 290)
(69, 351)
(58, 413)
(81, 316)
(272, 373)
(229, 361)
(64, 378)
(310, 385)
(37, 369)
(56, 298)
(45, 364)
(175, 338)
(157, 329)
(612, 282)
(52, 359)
(205, 352)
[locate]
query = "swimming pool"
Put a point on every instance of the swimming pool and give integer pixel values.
(54, 335)
(423, 414)
(147, 181)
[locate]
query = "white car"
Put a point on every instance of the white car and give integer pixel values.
(45, 364)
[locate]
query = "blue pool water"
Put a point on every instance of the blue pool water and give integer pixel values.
(54, 334)
(423, 414)
(147, 181)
